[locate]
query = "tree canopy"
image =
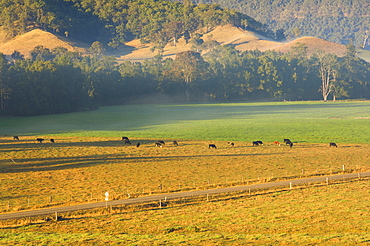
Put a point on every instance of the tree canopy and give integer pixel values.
(339, 21)
(114, 22)
(59, 81)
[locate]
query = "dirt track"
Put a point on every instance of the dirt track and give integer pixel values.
(170, 196)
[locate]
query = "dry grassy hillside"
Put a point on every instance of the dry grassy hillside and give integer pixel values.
(137, 51)
(27, 42)
(225, 35)
(314, 44)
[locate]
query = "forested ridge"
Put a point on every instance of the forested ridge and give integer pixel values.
(115, 22)
(339, 21)
(60, 81)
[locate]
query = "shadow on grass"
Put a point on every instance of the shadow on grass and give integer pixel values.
(51, 164)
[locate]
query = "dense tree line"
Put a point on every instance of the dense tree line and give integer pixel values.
(59, 81)
(114, 22)
(339, 21)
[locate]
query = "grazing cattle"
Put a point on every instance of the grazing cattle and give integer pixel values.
(210, 146)
(138, 145)
(286, 141)
(16, 138)
(277, 143)
(127, 141)
(255, 143)
(259, 142)
(333, 145)
(175, 143)
(231, 144)
(52, 140)
(39, 140)
(161, 142)
(158, 144)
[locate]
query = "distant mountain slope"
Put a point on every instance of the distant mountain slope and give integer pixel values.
(339, 21)
(230, 35)
(136, 51)
(225, 35)
(314, 44)
(27, 42)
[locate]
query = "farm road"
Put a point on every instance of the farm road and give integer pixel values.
(169, 196)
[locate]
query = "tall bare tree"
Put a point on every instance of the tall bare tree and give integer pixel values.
(328, 73)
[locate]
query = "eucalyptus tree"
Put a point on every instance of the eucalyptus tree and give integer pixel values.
(188, 67)
(41, 53)
(226, 67)
(328, 72)
(3, 81)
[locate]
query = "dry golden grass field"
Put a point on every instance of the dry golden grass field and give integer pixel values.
(81, 169)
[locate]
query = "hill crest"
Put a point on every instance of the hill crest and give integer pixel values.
(136, 51)
(27, 42)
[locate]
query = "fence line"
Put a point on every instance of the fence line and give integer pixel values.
(163, 187)
(185, 195)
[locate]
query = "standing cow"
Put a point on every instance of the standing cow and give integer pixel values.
(40, 140)
(255, 143)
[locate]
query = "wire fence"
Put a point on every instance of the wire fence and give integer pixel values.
(165, 186)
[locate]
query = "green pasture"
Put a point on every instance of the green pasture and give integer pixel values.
(310, 122)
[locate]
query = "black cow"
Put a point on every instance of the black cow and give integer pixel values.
(127, 141)
(210, 146)
(138, 145)
(16, 138)
(52, 140)
(287, 141)
(39, 140)
(333, 145)
(158, 144)
(161, 142)
(175, 143)
(259, 142)
(255, 143)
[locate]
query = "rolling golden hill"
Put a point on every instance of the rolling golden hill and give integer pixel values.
(136, 51)
(27, 42)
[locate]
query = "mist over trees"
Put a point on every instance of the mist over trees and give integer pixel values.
(59, 81)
